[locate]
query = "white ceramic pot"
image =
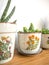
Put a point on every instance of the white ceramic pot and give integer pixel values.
(29, 43)
(7, 41)
(45, 41)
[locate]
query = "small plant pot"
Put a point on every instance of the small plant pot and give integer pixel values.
(45, 41)
(29, 43)
(7, 41)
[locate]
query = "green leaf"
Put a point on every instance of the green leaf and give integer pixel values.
(10, 15)
(37, 30)
(5, 11)
(25, 29)
(31, 28)
(47, 41)
(45, 31)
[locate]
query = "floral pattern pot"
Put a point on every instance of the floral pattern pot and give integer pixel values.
(7, 41)
(45, 41)
(29, 43)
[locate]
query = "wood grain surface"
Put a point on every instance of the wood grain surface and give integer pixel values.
(38, 59)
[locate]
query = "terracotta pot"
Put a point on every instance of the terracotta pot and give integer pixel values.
(45, 41)
(29, 43)
(7, 41)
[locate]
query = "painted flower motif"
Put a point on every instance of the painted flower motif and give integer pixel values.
(32, 36)
(3, 37)
(29, 37)
(8, 41)
(7, 54)
(1, 52)
(4, 45)
(47, 41)
(0, 44)
(10, 47)
(32, 42)
(28, 42)
(36, 38)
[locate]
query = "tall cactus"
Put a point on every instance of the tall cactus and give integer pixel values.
(5, 11)
(3, 17)
(9, 16)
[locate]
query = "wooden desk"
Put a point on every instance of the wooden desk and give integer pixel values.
(39, 59)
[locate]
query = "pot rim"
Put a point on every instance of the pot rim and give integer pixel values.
(7, 27)
(44, 34)
(27, 32)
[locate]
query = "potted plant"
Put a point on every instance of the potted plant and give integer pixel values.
(7, 35)
(29, 40)
(45, 38)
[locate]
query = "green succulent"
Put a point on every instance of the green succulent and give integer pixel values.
(25, 29)
(3, 17)
(45, 31)
(37, 30)
(30, 29)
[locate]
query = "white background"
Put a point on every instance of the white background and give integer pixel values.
(27, 11)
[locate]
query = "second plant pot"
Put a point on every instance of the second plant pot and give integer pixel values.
(29, 43)
(45, 41)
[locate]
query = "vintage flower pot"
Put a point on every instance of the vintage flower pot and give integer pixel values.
(45, 41)
(7, 41)
(29, 43)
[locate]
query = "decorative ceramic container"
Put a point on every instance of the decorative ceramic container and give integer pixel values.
(29, 43)
(45, 41)
(7, 41)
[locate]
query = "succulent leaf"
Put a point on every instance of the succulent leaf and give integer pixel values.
(25, 29)
(5, 11)
(31, 28)
(10, 15)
